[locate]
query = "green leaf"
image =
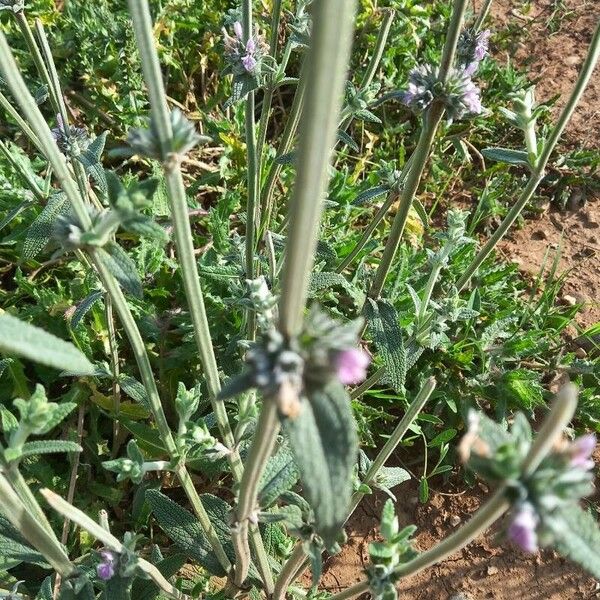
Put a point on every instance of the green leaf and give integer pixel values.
(41, 229)
(346, 139)
(325, 281)
(443, 437)
(123, 268)
(423, 490)
(169, 567)
(577, 537)
(383, 323)
(369, 194)
(14, 547)
(49, 447)
(15, 212)
(324, 441)
(23, 339)
(389, 521)
(118, 588)
(512, 157)
(185, 530)
(8, 421)
(84, 307)
(134, 389)
(280, 475)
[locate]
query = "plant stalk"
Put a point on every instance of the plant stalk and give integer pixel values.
(561, 414)
(538, 173)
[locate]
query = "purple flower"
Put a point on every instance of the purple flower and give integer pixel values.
(471, 98)
(482, 42)
(249, 62)
(521, 531)
(106, 568)
(472, 49)
(581, 451)
(238, 30)
(351, 365)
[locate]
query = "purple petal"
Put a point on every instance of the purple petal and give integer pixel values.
(238, 30)
(249, 63)
(105, 570)
(521, 531)
(581, 451)
(351, 365)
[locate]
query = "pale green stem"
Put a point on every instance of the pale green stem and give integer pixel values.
(262, 446)
(395, 438)
(413, 179)
(483, 13)
(561, 414)
(37, 57)
(428, 291)
(182, 229)
(537, 174)
(454, 30)
(102, 534)
(393, 195)
(326, 72)
(367, 384)
(57, 160)
(30, 528)
(114, 364)
(285, 145)
(292, 569)
(382, 36)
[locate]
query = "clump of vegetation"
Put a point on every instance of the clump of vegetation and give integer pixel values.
(291, 188)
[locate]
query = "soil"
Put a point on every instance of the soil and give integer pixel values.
(488, 569)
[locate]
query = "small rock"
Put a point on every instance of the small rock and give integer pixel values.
(461, 596)
(594, 239)
(454, 520)
(569, 300)
(492, 570)
(539, 234)
(580, 353)
(572, 60)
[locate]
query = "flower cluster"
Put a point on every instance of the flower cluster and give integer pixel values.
(460, 95)
(539, 499)
(243, 57)
(106, 567)
(284, 368)
(72, 141)
(472, 49)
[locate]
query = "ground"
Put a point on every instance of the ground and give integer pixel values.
(557, 34)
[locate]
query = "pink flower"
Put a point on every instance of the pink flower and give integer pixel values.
(581, 451)
(249, 63)
(238, 30)
(351, 365)
(521, 531)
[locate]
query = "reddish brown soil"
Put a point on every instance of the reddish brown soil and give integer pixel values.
(486, 569)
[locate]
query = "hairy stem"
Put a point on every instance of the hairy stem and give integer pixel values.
(537, 175)
(561, 414)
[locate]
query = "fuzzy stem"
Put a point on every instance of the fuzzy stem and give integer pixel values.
(289, 572)
(263, 443)
(37, 57)
(483, 13)
(69, 511)
(367, 384)
(538, 173)
(561, 414)
(8, 107)
(382, 36)
(326, 72)
(454, 30)
(183, 234)
(28, 525)
(413, 410)
(285, 145)
(413, 179)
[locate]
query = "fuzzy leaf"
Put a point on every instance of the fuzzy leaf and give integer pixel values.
(84, 307)
(185, 530)
(15, 212)
(577, 537)
(49, 447)
(512, 157)
(41, 229)
(280, 475)
(346, 139)
(169, 567)
(8, 421)
(134, 389)
(122, 268)
(382, 321)
(325, 281)
(14, 547)
(369, 194)
(23, 339)
(324, 441)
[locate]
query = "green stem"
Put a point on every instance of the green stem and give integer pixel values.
(37, 57)
(30, 528)
(537, 174)
(367, 384)
(428, 291)
(413, 410)
(454, 30)
(8, 107)
(327, 64)
(263, 443)
(561, 414)
(382, 36)
(285, 145)
(289, 572)
(413, 179)
(483, 13)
